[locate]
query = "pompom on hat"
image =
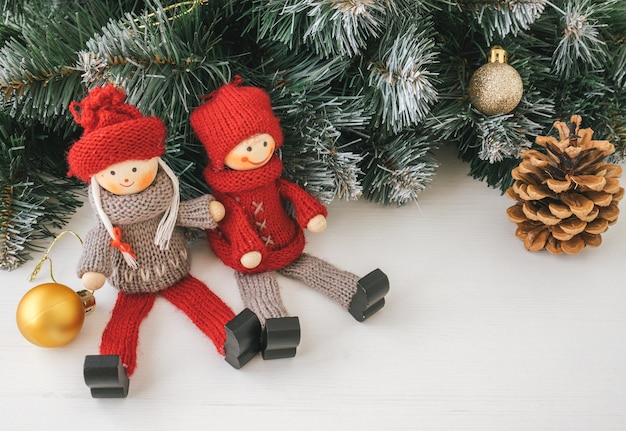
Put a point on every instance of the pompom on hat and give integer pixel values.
(232, 114)
(114, 132)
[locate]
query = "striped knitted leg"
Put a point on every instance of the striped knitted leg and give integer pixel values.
(261, 294)
(205, 309)
(337, 284)
(121, 335)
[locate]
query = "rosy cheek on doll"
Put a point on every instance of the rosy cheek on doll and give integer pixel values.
(252, 153)
(110, 181)
(127, 178)
(144, 180)
(115, 189)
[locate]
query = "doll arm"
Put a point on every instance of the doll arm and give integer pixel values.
(317, 224)
(94, 265)
(246, 245)
(203, 212)
(93, 280)
(310, 213)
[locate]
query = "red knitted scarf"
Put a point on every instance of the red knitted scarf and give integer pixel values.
(230, 181)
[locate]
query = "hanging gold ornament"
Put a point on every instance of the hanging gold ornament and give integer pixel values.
(52, 314)
(496, 88)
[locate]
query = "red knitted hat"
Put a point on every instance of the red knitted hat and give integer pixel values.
(232, 114)
(114, 132)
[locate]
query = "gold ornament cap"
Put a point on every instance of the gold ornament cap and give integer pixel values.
(497, 54)
(88, 299)
(496, 88)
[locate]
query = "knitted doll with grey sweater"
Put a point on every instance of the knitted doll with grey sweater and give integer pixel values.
(258, 237)
(138, 243)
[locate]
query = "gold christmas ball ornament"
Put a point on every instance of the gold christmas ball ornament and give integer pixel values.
(496, 88)
(52, 314)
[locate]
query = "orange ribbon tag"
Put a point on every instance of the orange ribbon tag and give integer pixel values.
(124, 247)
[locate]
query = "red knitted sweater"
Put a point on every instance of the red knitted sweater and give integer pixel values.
(256, 219)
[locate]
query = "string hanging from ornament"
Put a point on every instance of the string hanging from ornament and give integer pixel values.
(190, 5)
(496, 88)
(52, 314)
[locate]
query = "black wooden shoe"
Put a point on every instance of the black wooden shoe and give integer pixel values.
(281, 337)
(106, 376)
(243, 338)
(370, 295)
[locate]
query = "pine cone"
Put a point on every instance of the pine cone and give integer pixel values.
(567, 196)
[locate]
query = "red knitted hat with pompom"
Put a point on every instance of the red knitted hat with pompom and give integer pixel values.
(232, 114)
(114, 132)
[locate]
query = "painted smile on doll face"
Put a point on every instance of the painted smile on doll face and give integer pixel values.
(251, 153)
(129, 177)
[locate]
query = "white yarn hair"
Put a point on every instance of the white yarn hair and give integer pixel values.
(166, 225)
(168, 222)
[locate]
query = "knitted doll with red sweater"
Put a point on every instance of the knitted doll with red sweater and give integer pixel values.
(258, 237)
(138, 243)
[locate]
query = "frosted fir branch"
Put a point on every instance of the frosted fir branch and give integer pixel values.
(315, 153)
(32, 201)
(8, 30)
(496, 143)
(616, 134)
(93, 66)
(278, 21)
(507, 136)
(498, 19)
(341, 115)
(581, 46)
(493, 145)
(11, 7)
(18, 210)
(162, 70)
(619, 65)
(453, 121)
(403, 86)
(303, 72)
(398, 169)
(344, 166)
(349, 23)
(36, 84)
(326, 173)
(307, 87)
(329, 28)
(502, 137)
(39, 83)
(18, 215)
(186, 156)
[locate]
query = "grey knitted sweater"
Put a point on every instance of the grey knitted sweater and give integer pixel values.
(138, 216)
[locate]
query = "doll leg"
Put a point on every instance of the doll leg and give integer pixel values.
(107, 374)
(339, 285)
(361, 296)
(121, 335)
(205, 309)
(260, 294)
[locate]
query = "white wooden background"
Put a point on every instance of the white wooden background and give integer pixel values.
(477, 334)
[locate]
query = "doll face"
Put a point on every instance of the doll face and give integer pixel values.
(129, 177)
(251, 153)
